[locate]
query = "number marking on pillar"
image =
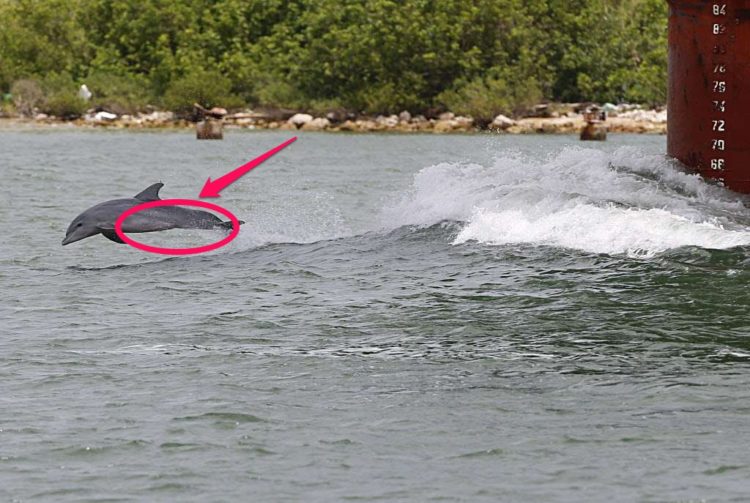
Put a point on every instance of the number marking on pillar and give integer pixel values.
(720, 67)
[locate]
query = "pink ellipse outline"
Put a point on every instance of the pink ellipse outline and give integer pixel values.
(177, 251)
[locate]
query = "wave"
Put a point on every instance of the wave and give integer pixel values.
(610, 230)
(621, 202)
(613, 202)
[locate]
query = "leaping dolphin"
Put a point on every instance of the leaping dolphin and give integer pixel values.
(100, 219)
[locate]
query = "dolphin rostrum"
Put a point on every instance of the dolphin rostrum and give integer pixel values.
(100, 219)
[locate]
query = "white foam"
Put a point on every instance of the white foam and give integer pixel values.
(610, 230)
(584, 199)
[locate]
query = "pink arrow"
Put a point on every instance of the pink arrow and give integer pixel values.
(212, 188)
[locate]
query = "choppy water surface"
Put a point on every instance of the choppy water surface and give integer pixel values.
(474, 318)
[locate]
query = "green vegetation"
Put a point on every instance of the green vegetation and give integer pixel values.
(477, 57)
(206, 87)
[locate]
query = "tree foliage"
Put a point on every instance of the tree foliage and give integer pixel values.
(477, 56)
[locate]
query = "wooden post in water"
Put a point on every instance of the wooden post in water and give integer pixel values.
(595, 129)
(709, 89)
(209, 129)
(211, 125)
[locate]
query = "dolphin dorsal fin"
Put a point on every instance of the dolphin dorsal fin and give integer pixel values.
(150, 193)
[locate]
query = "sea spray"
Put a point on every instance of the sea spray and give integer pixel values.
(585, 199)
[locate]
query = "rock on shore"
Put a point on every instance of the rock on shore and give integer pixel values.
(547, 119)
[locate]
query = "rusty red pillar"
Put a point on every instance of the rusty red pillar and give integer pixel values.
(709, 89)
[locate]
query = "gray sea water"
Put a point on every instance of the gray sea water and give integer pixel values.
(402, 318)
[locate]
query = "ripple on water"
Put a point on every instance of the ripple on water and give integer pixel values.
(475, 317)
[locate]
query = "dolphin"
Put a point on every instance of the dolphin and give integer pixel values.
(100, 219)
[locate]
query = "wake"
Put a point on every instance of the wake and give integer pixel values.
(623, 202)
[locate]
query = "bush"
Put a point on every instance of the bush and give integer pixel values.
(275, 93)
(385, 98)
(66, 105)
(6, 106)
(121, 94)
(207, 88)
(61, 96)
(27, 95)
(485, 98)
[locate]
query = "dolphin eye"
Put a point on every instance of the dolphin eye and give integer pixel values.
(79, 224)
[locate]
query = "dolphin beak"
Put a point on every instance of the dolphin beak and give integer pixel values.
(79, 232)
(72, 238)
(68, 239)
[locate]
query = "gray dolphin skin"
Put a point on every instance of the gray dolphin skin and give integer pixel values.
(100, 219)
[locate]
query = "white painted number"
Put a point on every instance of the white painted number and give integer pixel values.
(719, 86)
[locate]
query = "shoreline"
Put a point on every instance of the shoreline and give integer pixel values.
(635, 121)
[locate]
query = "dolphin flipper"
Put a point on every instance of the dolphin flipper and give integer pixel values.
(112, 236)
(150, 193)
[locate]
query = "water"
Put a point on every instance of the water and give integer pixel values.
(403, 318)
